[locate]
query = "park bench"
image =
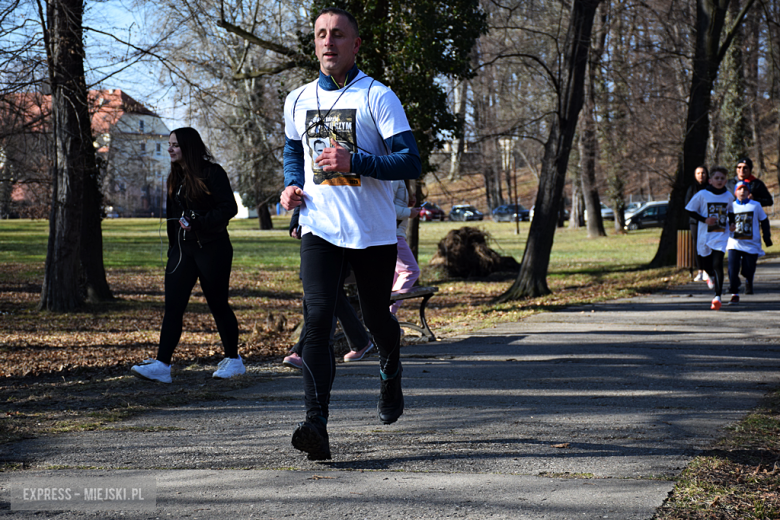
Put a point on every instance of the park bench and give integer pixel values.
(425, 293)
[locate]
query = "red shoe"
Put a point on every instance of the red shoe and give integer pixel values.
(715, 304)
(734, 299)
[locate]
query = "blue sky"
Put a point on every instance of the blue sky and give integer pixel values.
(111, 64)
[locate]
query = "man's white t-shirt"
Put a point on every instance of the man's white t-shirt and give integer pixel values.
(345, 209)
(747, 236)
(715, 236)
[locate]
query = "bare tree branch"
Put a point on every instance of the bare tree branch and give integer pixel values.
(279, 49)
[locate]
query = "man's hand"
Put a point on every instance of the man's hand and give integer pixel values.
(711, 221)
(732, 227)
(335, 159)
(414, 212)
(291, 198)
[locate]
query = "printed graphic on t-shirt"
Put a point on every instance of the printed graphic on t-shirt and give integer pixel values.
(338, 125)
(719, 211)
(744, 222)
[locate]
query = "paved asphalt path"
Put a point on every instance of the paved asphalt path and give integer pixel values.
(585, 413)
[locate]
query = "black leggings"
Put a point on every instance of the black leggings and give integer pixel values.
(713, 265)
(321, 267)
(211, 265)
(744, 261)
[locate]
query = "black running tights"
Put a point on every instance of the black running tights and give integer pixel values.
(321, 267)
(211, 265)
(713, 265)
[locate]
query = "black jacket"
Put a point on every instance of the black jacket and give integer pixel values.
(758, 191)
(210, 216)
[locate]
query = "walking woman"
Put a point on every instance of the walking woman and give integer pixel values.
(701, 181)
(200, 204)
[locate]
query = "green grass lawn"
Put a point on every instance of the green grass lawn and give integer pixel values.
(142, 243)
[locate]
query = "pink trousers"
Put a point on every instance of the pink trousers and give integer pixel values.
(406, 271)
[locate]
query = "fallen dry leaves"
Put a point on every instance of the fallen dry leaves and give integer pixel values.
(121, 333)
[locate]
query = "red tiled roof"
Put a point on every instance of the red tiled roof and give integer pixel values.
(33, 109)
(108, 106)
(26, 109)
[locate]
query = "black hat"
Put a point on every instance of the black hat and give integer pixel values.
(747, 162)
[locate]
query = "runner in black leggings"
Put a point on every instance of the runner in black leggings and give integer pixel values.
(321, 266)
(346, 135)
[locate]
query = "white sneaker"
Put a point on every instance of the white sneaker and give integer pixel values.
(705, 276)
(152, 370)
(230, 367)
(710, 284)
(698, 278)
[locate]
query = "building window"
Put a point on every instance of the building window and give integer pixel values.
(141, 125)
(143, 147)
(159, 149)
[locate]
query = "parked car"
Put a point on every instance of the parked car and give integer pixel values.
(510, 213)
(465, 212)
(652, 214)
(606, 213)
(632, 207)
(430, 211)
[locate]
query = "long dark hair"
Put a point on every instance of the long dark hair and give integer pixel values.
(195, 157)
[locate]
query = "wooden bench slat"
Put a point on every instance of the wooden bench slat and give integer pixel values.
(414, 292)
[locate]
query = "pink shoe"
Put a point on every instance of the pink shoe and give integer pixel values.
(715, 304)
(357, 355)
(293, 360)
(710, 283)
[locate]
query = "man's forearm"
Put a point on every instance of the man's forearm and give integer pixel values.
(403, 162)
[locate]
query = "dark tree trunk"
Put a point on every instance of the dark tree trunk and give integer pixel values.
(589, 143)
(413, 229)
(489, 188)
(91, 250)
(532, 278)
(65, 54)
(264, 216)
(577, 214)
(774, 42)
(710, 18)
(752, 30)
(590, 190)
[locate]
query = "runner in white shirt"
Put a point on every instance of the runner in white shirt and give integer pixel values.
(744, 244)
(347, 136)
(712, 208)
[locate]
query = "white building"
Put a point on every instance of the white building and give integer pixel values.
(132, 142)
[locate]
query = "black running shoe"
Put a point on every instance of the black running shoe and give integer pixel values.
(312, 438)
(748, 287)
(391, 399)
